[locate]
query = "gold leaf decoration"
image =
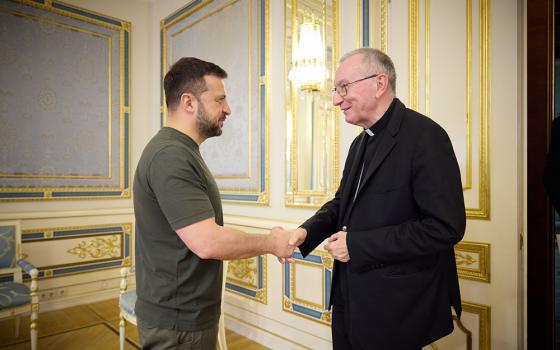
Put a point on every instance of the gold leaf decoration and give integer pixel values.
(98, 248)
(245, 270)
(287, 304)
(464, 259)
(328, 262)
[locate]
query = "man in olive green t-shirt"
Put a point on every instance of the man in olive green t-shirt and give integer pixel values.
(180, 238)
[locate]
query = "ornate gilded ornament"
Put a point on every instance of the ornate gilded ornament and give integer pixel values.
(98, 248)
(245, 270)
(465, 259)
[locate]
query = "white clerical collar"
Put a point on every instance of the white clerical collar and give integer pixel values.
(369, 132)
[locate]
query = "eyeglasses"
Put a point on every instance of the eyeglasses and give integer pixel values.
(342, 90)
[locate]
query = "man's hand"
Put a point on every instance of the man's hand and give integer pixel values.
(280, 240)
(336, 245)
(297, 237)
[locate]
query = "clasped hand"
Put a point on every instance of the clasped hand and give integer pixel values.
(286, 242)
(336, 245)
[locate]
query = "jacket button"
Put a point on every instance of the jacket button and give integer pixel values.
(344, 228)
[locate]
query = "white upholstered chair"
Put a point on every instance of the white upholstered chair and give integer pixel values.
(127, 300)
(16, 298)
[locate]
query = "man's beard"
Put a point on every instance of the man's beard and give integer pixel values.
(205, 125)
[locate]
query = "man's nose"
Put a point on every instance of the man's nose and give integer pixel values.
(227, 110)
(336, 99)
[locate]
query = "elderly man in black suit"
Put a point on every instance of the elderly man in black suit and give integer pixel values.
(394, 220)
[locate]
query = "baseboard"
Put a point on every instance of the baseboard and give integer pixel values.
(81, 299)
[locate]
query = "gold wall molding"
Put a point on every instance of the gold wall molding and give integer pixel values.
(384, 23)
(413, 53)
(473, 260)
(483, 331)
(248, 278)
(35, 215)
(483, 210)
(305, 308)
(427, 55)
(468, 176)
(462, 328)
(484, 322)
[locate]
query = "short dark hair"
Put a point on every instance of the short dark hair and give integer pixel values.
(187, 76)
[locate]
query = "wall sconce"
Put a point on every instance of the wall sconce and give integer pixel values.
(310, 54)
(308, 68)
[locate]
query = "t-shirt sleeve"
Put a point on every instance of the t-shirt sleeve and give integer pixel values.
(179, 187)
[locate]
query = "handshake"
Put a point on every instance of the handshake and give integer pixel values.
(283, 242)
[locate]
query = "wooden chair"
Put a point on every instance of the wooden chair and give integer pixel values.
(16, 298)
(127, 301)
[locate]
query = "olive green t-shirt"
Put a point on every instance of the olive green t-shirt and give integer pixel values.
(174, 188)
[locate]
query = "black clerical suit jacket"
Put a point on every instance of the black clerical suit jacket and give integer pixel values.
(401, 228)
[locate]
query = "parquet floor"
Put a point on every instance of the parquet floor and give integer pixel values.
(88, 327)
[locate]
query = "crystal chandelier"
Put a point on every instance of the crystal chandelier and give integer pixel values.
(308, 64)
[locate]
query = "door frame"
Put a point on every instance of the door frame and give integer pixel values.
(540, 108)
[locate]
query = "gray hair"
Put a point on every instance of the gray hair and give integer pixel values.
(375, 60)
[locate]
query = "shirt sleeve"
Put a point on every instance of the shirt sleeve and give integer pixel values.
(180, 188)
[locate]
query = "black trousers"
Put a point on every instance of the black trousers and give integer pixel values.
(340, 327)
(340, 318)
(340, 335)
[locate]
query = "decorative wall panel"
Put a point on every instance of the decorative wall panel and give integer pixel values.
(307, 286)
(473, 260)
(452, 88)
(472, 331)
(247, 277)
(64, 102)
(65, 251)
(239, 33)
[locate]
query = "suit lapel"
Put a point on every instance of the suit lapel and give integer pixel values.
(386, 144)
(354, 172)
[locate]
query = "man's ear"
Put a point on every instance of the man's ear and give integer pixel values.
(382, 85)
(188, 102)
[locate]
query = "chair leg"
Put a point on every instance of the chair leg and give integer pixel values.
(33, 325)
(122, 325)
(34, 308)
(33, 339)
